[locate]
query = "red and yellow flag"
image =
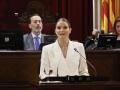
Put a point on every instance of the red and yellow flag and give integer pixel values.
(111, 14)
(108, 15)
(104, 22)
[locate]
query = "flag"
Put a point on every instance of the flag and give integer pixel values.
(117, 8)
(104, 22)
(111, 14)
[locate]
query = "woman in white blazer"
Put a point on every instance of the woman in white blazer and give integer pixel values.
(63, 57)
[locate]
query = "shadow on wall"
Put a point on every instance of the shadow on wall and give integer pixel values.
(39, 8)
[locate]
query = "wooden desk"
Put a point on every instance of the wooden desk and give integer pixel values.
(100, 85)
(19, 66)
(106, 62)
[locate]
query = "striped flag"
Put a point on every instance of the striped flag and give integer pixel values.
(104, 22)
(111, 14)
(117, 8)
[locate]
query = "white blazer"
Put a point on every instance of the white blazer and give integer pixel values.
(52, 59)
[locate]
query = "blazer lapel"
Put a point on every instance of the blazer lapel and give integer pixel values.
(56, 57)
(42, 38)
(31, 42)
(70, 51)
(57, 50)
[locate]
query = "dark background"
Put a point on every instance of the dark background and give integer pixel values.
(79, 12)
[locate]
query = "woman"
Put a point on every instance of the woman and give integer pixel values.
(63, 57)
(117, 31)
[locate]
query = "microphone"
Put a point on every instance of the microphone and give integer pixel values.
(88, 62)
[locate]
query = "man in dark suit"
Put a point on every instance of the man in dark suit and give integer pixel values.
(91, 42)
(33, 40)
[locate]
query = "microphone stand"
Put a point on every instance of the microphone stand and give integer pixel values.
(89, 63)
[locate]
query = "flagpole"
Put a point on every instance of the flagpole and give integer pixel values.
(99, 15)
(93, 14)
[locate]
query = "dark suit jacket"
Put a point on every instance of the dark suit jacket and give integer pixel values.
(90, 43)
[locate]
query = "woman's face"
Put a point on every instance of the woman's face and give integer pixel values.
(62, 29)
(118, 28)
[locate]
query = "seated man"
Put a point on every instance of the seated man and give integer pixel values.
(33, 40)
(91, 41)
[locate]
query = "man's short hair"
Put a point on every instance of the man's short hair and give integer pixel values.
(29, 19)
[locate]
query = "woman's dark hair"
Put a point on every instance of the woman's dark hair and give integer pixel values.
(116, 21)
